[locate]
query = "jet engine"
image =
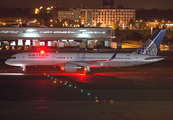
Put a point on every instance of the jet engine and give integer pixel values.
(70, 67)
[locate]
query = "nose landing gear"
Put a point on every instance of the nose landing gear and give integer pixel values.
(24, 69)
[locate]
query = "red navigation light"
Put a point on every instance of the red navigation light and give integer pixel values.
(42, 52)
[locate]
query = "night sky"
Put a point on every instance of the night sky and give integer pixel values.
(148, 4)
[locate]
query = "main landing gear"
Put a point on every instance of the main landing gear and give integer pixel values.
(88, 72)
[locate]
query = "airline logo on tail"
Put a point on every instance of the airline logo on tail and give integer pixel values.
(151, 46)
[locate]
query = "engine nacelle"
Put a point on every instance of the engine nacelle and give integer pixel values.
(70, 67)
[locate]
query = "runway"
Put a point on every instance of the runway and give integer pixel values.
(140, 92)
(36, 96)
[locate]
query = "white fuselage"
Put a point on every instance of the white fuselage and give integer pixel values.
(81, 59)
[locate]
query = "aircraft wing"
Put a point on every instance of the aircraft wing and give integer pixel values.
(88, 63)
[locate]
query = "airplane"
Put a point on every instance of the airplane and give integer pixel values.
(147, 53)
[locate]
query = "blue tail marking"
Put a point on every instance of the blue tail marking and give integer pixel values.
(98, 50)
(114, 55)
(151, 46)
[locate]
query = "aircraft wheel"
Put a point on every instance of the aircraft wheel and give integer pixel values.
(91, 73)
(87, 73)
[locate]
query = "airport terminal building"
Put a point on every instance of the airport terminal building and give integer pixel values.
(60, 37)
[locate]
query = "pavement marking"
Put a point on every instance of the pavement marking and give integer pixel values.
(12, 74)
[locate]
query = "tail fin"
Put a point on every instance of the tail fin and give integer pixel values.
(151, 46)
(114, 55)
(98, 50)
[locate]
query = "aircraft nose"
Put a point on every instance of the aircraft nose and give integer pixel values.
(7, 62)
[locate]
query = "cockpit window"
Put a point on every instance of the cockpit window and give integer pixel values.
(13, 57)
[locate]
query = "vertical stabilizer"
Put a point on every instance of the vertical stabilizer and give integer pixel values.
(151, 46)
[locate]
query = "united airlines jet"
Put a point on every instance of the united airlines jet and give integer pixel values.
(73, 61)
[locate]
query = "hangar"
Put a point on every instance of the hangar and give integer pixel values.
(58, 37)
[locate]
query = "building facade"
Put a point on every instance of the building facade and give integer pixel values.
(100, 17)
(106, 17)
(28, 36)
